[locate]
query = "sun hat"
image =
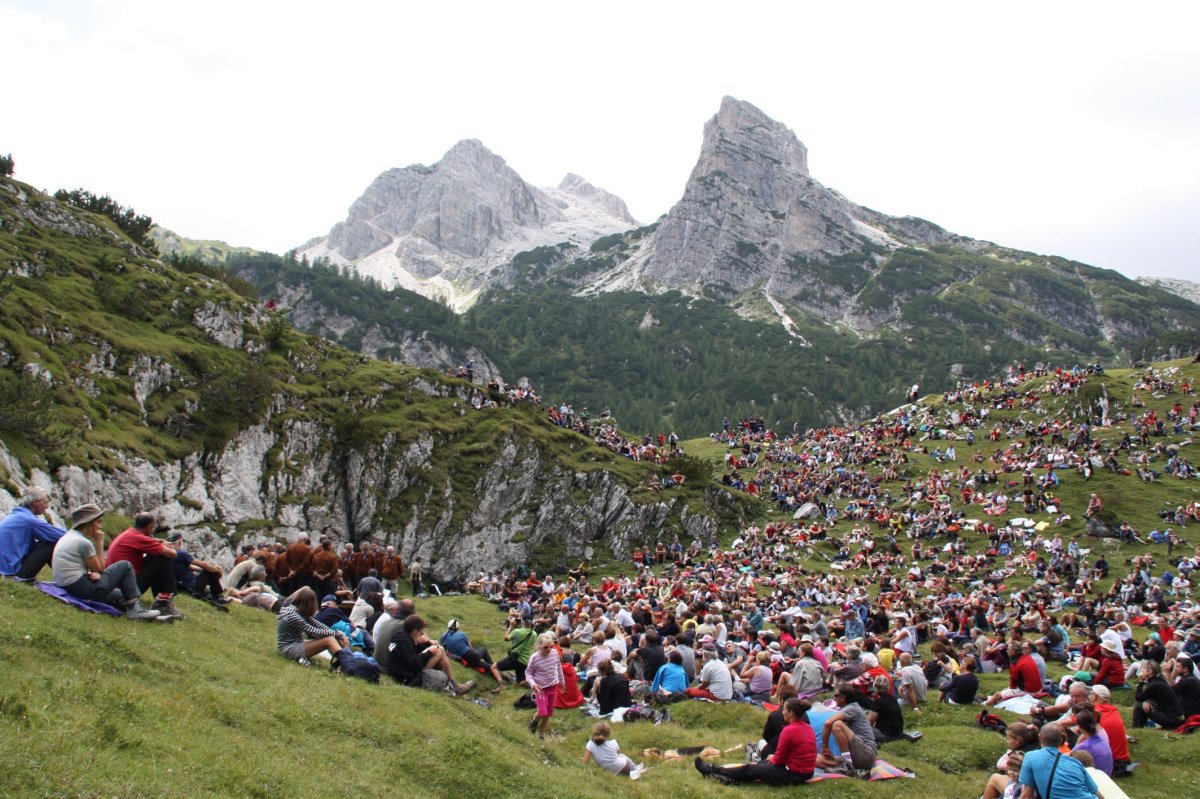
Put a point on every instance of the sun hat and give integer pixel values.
(85, 513)
(1109, 646)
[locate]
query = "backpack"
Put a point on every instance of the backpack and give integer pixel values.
(990, 721)
(356, 665)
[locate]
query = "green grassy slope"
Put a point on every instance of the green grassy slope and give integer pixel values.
(1125, 497)
(91, 706)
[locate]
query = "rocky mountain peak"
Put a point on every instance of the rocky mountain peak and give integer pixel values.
(740, 132)
(443, 230)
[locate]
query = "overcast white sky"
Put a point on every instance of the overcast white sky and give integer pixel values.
(1069, 128)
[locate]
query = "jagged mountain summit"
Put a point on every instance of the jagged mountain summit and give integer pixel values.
(445, 231)
(752, 218)
(756, 231)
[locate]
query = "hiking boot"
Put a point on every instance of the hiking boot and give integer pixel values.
(223, 600)
(705, 769)
(139, 613)
(165, 605)
(533, 724)
(463, 688)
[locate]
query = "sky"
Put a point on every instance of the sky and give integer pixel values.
(1066, 128)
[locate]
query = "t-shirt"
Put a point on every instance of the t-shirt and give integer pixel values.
(912, 675)
(1097, 746)
(856, 720)
(963, 687)
(889, 720)
(182, 564)
(607, 755)
(1071, 780)
(134, 546)
(720, 682)
(71, 554)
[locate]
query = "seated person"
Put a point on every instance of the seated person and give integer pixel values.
(416, 661)
(459, 646)
(27, 541)
(77, 568)
(611, 689)
(963, 687)
(887, 720)
(151, 560)
(298, 635)
(671, 677)
(607, 753)
(794, 760)
(714, 682)
(197, 577)
(852, 731)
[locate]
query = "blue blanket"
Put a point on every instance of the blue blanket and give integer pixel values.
(83, 604)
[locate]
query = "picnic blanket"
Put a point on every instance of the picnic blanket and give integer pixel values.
(882, 770)
(59, 593)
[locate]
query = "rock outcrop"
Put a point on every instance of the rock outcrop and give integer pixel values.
(1186, 289)
(274, 481)
(443, 230)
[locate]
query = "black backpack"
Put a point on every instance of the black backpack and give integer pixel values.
(359, 667)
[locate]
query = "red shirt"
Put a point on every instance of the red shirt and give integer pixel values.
(797, 748)
(134, 546)
(1111, 722)
(1024, 674)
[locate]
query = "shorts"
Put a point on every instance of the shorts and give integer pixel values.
(545, 700)
(862, 754)
(293, 651)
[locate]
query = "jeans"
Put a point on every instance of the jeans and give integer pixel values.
(117, 586)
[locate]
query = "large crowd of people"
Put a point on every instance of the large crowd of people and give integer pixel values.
(913, 605)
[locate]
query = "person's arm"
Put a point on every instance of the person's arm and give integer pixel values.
(587, 755)
(206, 566)
(823, 739)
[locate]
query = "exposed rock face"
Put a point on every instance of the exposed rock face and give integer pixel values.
(441, 230)
(525, 508)
(1186, 289)
(610, 203)
(751, 215)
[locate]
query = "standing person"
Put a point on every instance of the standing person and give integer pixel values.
(391, 570)
(152, 561)
(607, 752)
(79, 571)
(27, 541)
(794, 760)
(1050, 774)
(414, 572)
(324, 565)
(544, 674)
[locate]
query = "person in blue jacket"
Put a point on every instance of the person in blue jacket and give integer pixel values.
(27, 541)
(671, 678)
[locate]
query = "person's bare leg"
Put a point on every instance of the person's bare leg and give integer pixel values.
(995, 786)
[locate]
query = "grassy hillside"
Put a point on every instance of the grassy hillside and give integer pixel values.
(1126, 498)
(91, 706)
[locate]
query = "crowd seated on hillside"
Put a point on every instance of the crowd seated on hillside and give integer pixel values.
(905, 615)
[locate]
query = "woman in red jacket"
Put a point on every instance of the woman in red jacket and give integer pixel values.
(795, 755)
(1112, 669)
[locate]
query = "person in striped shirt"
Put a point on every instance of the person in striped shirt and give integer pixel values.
(298, 635)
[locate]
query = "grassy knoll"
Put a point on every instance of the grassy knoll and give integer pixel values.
(96, 707)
